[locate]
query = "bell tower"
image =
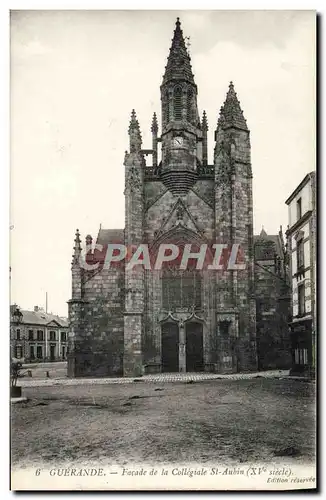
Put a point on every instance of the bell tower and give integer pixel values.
(234, 225)
(181, 128)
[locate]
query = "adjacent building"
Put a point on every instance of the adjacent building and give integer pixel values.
(172, 319)
(301, 237)
(273, 301)
(37, 335)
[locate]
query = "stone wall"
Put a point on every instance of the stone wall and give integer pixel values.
(273, 311)
(98, 319)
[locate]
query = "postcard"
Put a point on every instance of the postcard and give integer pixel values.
(163, 324)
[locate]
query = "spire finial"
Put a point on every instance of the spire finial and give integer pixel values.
(77, 248)
(154, 127)
(77, 240)
(134, 133)
(204, 122)
(133, 121)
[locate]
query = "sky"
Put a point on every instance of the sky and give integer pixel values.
(75, 76)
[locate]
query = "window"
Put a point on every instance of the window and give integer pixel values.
(18, 333)
(300, 254)
(30, 334)
(177, 103)
(31, 352)
(301, 300)
(40, 335)
(63, 352)
(52, 335)
(63, 336)
(301, 356)
(299, 209)
(181, 290)
(18, 351)
(39, 352)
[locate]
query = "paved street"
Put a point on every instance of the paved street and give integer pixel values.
(58, 376)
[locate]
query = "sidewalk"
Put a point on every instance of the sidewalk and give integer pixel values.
(155, 378)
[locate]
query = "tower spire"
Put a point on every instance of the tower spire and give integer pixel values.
(178, 65)
(231, 114)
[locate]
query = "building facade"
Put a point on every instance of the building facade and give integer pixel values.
(37, 336)
(301, 237)
(127, 322)
(273, 301)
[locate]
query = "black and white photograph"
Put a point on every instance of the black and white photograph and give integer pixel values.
(163, 241)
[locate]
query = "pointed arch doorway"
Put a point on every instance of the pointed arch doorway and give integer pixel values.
(194, 347)
(170, 346)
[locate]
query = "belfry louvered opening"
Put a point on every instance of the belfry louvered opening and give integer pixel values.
(177, 103)
(189, 105)
(167, 107)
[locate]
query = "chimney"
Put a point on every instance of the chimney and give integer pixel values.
(36, 309)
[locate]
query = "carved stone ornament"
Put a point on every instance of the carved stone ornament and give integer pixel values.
(224, 173)
(133, 178)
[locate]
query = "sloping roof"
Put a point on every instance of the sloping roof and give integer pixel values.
(42, 318)
(106, 236)
(311, 175)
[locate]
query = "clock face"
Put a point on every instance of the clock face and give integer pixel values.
(178, 141)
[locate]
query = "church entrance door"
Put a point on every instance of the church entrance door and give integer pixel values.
(170, 347)
(194, 347)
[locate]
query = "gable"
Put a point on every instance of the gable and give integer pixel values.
(54, 324)
(179, 216)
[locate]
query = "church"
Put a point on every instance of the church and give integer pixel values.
(133, 322)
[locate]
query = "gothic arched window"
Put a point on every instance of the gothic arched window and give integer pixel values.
(189, 105)
(181, 289)
(177, 103)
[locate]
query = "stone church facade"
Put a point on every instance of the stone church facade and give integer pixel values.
(131, 322)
